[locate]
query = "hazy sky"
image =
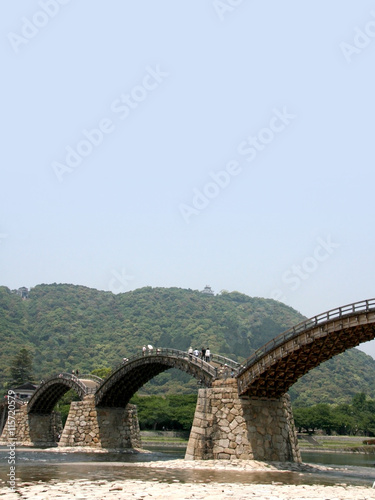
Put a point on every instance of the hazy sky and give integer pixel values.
(184, 143)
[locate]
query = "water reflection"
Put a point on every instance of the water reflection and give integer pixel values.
(120, 471)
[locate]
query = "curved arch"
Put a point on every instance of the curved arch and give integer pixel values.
(274, 368)
(124, 382)
(52, 389)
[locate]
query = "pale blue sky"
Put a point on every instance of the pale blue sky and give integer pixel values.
(235, 150)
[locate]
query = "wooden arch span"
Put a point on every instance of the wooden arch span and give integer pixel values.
(52, 389)
(276, 366)
(128, 378)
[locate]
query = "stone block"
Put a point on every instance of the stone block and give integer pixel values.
(233, 425)
(230, 418)
(224, 443)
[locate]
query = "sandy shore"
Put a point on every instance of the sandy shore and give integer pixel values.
(175, 490)
(139, 490)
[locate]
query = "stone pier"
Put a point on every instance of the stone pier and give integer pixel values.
(110, 428)
(87, 425)
(32, 429)
(226, 426)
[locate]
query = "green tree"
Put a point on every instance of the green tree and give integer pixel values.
(102, 372)
(21, 367)
(304, 419)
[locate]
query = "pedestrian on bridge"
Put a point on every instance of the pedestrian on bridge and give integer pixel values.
(208, 355)
(190, 351)
(144, 349)
(196, 352)
(203, 355)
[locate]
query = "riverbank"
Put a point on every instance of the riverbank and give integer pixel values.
(306, 443)
(177, 439)
(218, 479)
(334, 444)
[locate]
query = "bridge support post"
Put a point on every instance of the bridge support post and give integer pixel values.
(32, 429)
(226, 426)
(110, 428)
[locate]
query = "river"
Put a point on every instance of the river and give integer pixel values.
(48, 466)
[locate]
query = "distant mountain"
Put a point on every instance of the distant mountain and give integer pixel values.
(74, 327)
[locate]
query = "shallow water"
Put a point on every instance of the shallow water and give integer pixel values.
(46, 466)
(346, 459)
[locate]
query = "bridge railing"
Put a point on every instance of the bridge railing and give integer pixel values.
(17, 400)
(221, 360)
(197, 360)
(89, 376)
(320, 319)
(68, 376)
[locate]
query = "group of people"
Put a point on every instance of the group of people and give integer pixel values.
(150, 350)
(204, 354)
(144, 349)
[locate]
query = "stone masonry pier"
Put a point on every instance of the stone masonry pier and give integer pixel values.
(86, 426)
(226, 426)
(110, 428)
(32, 429)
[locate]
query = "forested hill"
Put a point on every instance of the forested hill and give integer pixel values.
(74, 327)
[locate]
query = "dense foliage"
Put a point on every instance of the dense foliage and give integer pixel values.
(67, 327)
(358, 417)
(21, 367)
(165, 413)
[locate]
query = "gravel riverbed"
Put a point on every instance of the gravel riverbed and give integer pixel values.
(213, 490)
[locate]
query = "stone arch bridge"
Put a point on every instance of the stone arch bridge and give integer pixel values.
(243, 411)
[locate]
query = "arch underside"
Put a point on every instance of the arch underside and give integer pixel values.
(276, 379)
(47, 395)
(119, 388)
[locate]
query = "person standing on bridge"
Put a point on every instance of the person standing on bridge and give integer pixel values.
(190, 351)
(203, 355)
(144, 350)
(208, 355)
